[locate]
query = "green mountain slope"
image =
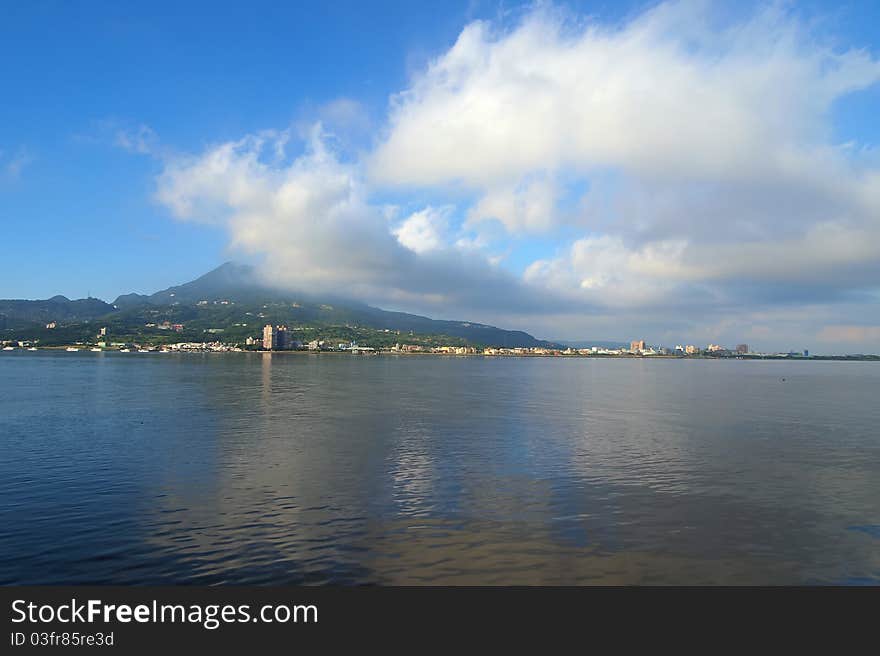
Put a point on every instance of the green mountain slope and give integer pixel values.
(232, 302)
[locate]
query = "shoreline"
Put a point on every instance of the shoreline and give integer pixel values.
(580, 356)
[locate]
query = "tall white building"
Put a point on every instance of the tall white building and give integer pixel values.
(270, 337)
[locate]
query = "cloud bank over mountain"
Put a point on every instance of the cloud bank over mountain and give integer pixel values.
(674, 176)
(311, 220)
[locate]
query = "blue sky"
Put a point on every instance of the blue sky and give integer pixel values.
(196, 74)
(111, 110)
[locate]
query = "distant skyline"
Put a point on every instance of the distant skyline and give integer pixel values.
(690, 171)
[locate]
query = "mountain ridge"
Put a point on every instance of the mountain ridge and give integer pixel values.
(227, 291)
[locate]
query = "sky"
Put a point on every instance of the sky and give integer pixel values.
(688, 171)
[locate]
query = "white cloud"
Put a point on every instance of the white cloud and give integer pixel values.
(308, 216)
(527, 207)
(604, 271)
(607, 271)
(670, 95)
(714, 131)
(311, 221)
(683, 167)
(425, 230)
(705, 146)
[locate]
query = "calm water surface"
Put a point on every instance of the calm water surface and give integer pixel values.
(291, 468)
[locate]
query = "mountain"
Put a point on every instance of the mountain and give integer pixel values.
(131, 300)
(241, 284)
(57, 308)
(233, 298)
(229, 281)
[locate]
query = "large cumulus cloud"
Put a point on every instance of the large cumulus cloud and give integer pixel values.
(309, 218)
(683, 166)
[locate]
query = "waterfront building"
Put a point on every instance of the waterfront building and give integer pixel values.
(270, 337)
(742, 348)
(284, 338)
(690, 349)
(276, 338)
(637, 346)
